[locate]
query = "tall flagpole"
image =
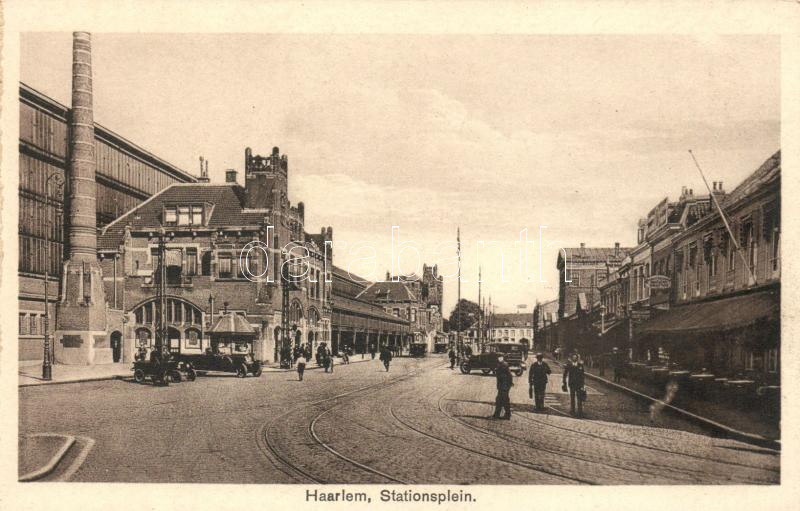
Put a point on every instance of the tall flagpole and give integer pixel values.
(458, 303)
(724, 220)
(480, 312)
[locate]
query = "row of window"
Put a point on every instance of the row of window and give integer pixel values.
(177, 311)
(31, 323)
(184, 215)
(39, 221)
(33, 258)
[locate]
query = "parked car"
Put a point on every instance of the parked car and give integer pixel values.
(162, 371)
(487, 361)
(228, 357)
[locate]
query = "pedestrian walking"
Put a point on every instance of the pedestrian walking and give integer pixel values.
(372, 351)
(504, 383)
(617, 363)
(537, 378)
(574, 379)
(452, 355)
(386, 357)
(301, 366)
(330, 358)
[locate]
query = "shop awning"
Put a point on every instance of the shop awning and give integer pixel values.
(717, 315)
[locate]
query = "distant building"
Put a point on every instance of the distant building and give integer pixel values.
(517, 327)
(581, 272)
(360, 324)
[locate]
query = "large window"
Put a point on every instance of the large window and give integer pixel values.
(191, 261)
(224, 270)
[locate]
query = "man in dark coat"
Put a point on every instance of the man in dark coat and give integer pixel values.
(537, 378)
(386, 357)
(504, 383)
(452, 355)
(574, 380)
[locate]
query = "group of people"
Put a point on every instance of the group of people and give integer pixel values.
(573, 380)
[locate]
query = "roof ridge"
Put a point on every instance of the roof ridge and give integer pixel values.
(138, 206)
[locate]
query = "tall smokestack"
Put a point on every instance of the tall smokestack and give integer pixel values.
(82, 323)
(82, 211)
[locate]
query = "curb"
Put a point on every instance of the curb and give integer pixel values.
(51, 465)
(79, 380)
(728, 431)
(122, 377)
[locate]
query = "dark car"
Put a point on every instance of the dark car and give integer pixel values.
(487, 361)
(229, 357)
(162, 370)
(418, 349)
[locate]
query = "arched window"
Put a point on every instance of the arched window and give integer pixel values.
(179, 312)
(295, 312)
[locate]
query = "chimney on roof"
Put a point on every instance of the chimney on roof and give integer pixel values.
(583, 245)
(388, 276)
(230, 176)
(203, 170)
(616, 248)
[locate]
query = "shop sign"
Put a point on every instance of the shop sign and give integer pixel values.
(659, 282)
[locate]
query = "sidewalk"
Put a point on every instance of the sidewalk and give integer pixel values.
(31, 375)
(743, 425)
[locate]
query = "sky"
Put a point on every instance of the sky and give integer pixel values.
(492, 134)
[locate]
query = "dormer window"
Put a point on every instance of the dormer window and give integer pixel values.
(184, 215)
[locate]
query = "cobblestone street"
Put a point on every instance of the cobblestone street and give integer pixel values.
(419, 423)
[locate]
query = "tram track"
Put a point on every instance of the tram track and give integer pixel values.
(562, 453)
(484, 454)
(269, 447)
(529, 418)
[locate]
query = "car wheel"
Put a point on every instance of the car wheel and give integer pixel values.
(486, 371)
(241, 372)
(191, 375)
(175, 376)
(519, 372)
(138, 376)
(465, 368)
(257, 370)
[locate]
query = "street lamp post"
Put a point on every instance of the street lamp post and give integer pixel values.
(47, 365)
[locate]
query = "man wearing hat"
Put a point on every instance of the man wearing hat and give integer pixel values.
(537, 378)
(504, 383)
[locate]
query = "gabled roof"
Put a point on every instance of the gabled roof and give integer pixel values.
(341, 272)
(389, 291)
(519, 320)
(227, 210)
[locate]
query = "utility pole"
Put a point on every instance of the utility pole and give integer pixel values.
(47, 364)
(458, 303)
(480, 312)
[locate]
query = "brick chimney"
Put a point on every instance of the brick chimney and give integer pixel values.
(230, 176)
(80, 337)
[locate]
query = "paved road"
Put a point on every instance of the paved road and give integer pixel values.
(418, 423)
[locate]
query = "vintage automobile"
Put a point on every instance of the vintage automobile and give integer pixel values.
(162, 371)
(418, 349)
(487, 361)
(234, 357)
(230, 349)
